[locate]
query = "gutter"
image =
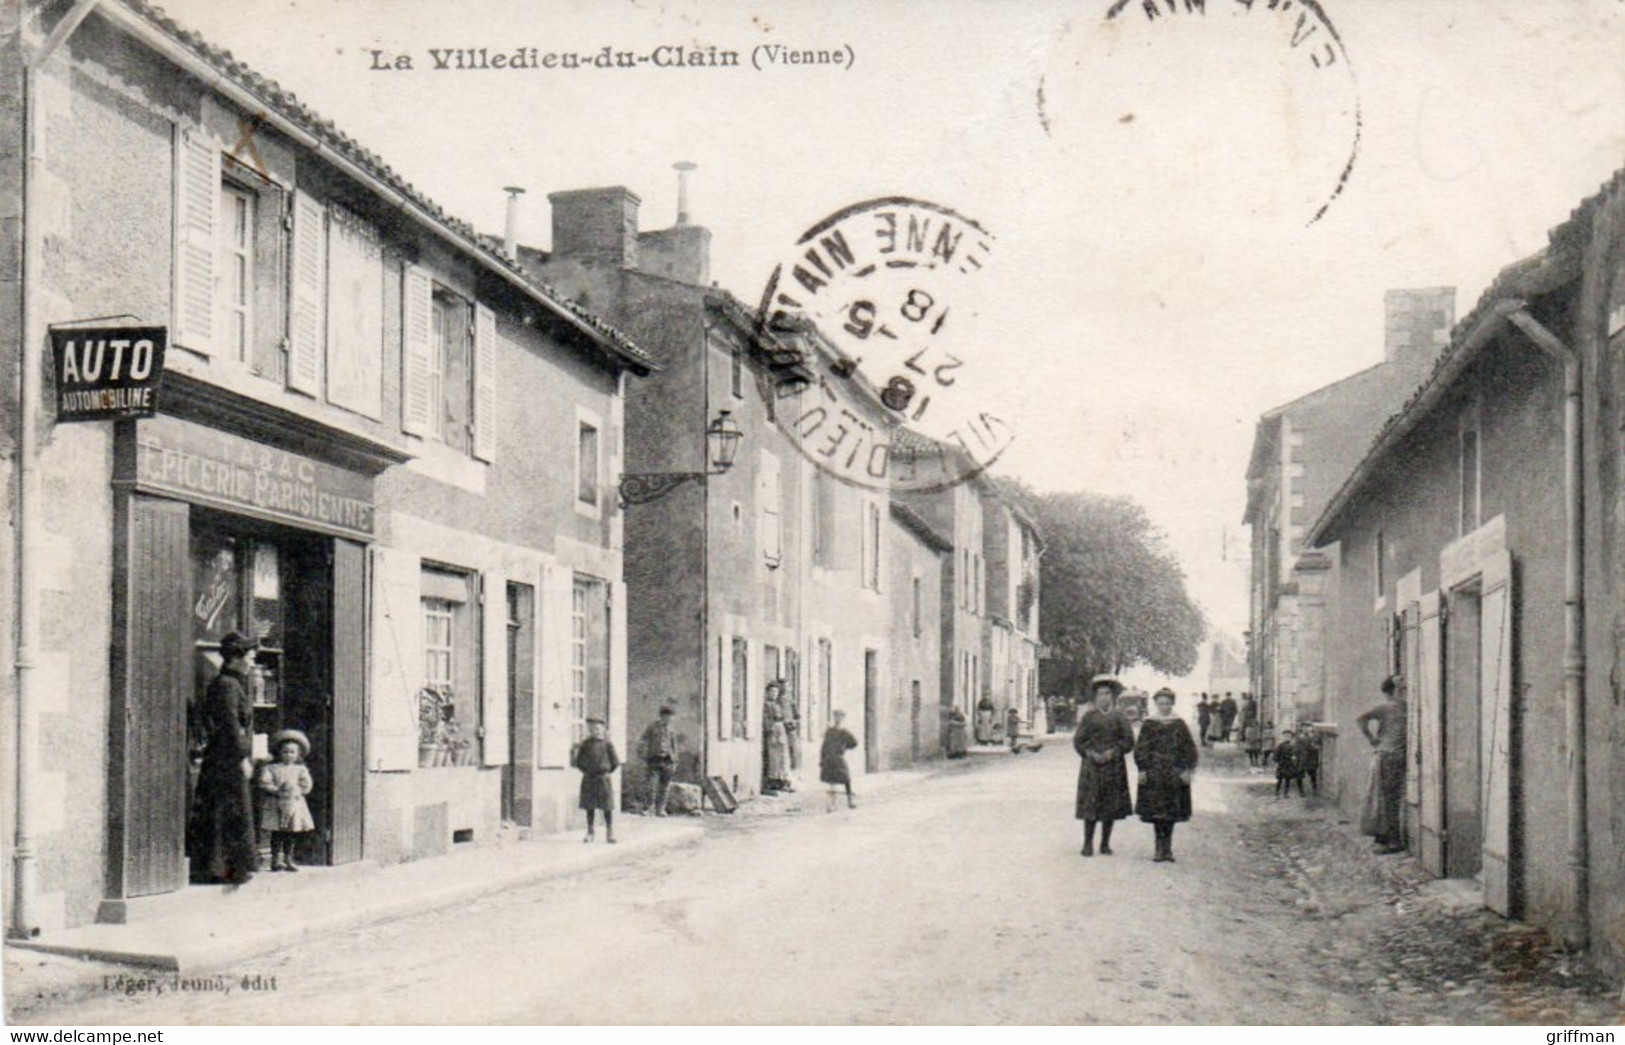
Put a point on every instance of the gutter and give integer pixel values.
(1576, 932)
(24, 922)
(218, 82)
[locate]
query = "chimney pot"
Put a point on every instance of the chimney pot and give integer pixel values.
(682, 167)
(510, 229)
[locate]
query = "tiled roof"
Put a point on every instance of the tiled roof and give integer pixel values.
(914, 523)
(287, 105)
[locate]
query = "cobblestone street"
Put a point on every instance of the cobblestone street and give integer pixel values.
(1275, 913)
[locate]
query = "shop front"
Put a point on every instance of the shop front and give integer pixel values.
(215, 532)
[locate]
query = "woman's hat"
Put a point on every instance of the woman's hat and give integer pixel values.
(284, 736)
(234, 645)
(1106, 680)
(1164, 692)
(667, 709)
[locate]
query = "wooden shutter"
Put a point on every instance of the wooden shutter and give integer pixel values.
(598, 651)
(553, 698)
(485, 383)
(307, 321)
(349, 698)
(392, 726)
(1428, 696)
(197, 205)
(1496, 764)
(495, 708)
(417, 347)
(153, 671)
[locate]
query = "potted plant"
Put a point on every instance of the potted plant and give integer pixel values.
(431, 726)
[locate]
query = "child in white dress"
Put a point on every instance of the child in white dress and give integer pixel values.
(283, 786)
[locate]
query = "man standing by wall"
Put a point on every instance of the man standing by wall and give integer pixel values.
(658, 750)
(1388, 777)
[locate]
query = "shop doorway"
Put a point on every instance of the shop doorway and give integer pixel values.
(280, 587)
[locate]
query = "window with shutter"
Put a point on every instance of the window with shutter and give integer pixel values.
(197, 191)
(419, 377)
(307, 333)
(485, 383)
(355, 314)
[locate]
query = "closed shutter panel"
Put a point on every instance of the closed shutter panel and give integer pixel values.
(1429, 698)
(485, 383)
(155, 651)
(495, 709)
(398, 654)
(417, 364)
(307, 325)
(1495, 732)
(349, 698)
(598, 651)
(197, 202)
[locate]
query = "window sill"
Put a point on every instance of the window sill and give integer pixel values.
(436, 460)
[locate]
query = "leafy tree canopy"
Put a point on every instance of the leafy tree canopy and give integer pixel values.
(1112, 595)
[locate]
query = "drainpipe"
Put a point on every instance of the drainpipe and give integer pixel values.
(1574, 659)
(24, 921)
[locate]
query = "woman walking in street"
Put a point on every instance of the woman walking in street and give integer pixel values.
(832, 768)
(1103, 740)
(1165, 756)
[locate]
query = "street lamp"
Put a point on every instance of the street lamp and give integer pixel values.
(722, 437)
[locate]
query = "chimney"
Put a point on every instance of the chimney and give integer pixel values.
(682, 167)
(510, 229)
(596, 225)
(1417, 323)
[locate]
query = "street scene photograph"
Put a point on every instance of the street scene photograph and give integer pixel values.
(759, 513)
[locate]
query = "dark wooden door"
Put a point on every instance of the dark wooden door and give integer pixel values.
(349, 681)
(519, 775)
(871, 711)
(153, 675)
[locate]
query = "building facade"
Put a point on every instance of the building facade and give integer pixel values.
(1473, 553)
(1301, 451)
(370, 453)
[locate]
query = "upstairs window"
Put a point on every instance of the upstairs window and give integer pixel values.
(587, 464)
(449, 354)
(234, 279)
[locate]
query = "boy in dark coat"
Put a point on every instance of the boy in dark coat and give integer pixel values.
(1286, 765)
(597, 760)
(1309, 760)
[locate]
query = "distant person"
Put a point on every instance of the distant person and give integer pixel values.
(832, 769)
(1165, 757)
(1267, 743)
(775, 742)
(658, 751)
(1308, 758)
(1204, 718)
(597, 761)
(1252, 741)
(985, 712)
(1286, 765)
(956, 743)
(1227, 716)
(1249, 711)
(1103, 741)
(1388, 779)
(1012, 727)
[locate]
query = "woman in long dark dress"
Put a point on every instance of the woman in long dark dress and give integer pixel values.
(1103, 740)
(222, 844)
(1165, 756)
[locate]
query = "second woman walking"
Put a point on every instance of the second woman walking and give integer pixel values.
(1103, 740)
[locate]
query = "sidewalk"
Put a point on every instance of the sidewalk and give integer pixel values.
(209, 926)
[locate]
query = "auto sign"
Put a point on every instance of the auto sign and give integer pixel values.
(109, 372)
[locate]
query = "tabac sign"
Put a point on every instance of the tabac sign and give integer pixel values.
(109, 372)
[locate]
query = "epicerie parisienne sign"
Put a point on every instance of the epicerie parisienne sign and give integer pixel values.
(109, 372)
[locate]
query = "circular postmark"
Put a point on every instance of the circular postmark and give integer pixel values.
(1202, 107)
(876, 379)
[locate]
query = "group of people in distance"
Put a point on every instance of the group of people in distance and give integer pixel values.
(1164, 756)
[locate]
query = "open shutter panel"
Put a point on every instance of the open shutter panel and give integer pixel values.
(1429, 698)
(417, 315)
(307, 326)
(553, 680)
(197, 204)
(1495, 732)
(485, 383)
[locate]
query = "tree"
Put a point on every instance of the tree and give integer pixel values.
(1112, 595)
